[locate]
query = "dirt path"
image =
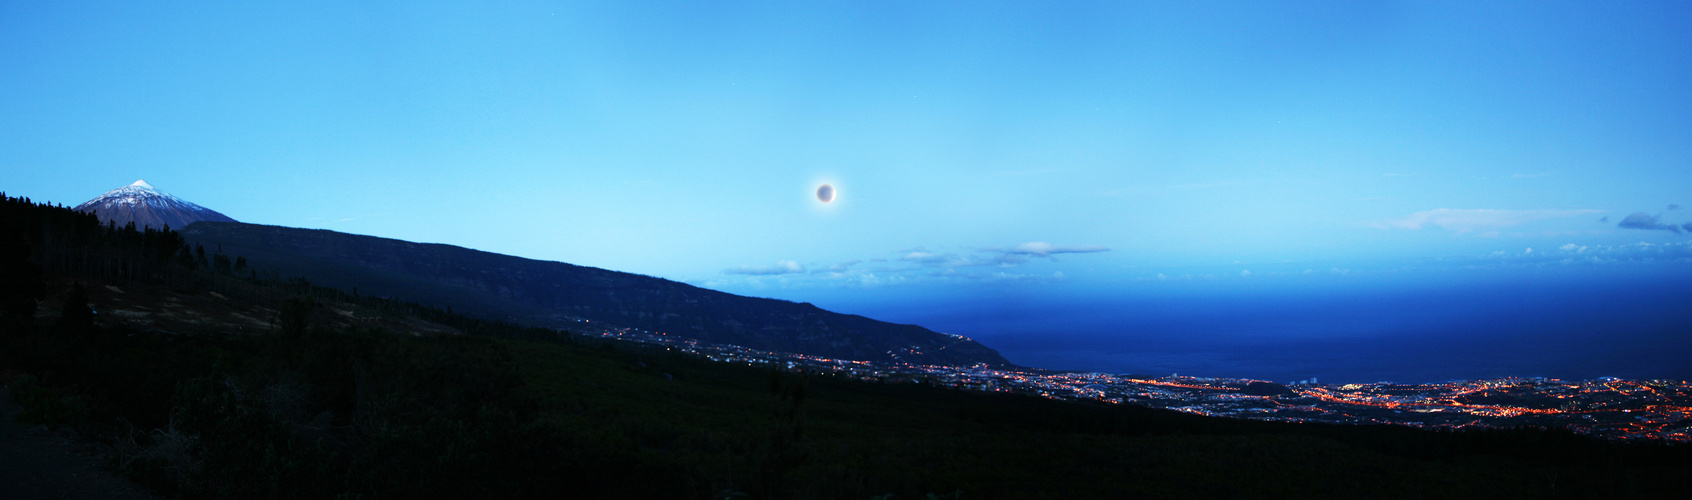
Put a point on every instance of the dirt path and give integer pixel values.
(36, 463)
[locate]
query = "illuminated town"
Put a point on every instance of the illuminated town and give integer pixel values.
(1606, 407)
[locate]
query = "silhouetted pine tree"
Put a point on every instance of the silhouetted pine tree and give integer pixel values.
(76, 318)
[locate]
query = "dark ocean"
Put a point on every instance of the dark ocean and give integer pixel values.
(1559, 324)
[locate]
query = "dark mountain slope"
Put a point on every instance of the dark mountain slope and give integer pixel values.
(558, 295)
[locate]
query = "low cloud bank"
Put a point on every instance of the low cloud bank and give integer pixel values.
(1466, 220)
(781, 267)
(1043, 249)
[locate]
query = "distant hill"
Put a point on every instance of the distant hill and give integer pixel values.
(146, 205)
(559, 295)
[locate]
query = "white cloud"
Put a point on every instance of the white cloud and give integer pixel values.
(1006, 256)
(927, 258)
(842, 267)
(781, 267)
(1043, 249)
(1466, 220)
(915, 265)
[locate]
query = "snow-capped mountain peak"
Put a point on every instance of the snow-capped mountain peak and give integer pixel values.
(146, 205)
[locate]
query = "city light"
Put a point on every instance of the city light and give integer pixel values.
(1607, 407)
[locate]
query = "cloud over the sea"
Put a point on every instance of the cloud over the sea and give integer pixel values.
(1043, 249)
(781, 267)
(915, 266)
(1466, 220)
(927, 258)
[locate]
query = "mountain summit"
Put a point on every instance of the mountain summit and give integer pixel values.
(145, 205)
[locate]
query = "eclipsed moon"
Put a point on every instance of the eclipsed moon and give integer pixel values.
(825, 193)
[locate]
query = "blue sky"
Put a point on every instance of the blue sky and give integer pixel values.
(1021, 146)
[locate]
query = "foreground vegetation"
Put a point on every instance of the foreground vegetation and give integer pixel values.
(405, 401)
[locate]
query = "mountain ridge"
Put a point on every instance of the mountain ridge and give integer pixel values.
(562, 295)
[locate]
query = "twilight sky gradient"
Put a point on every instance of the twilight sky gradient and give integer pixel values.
(1017, 148)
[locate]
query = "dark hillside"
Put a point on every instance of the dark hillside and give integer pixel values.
(558, 295)
(344, 395)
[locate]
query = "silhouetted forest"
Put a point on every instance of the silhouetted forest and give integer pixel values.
(345, 395)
